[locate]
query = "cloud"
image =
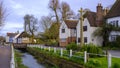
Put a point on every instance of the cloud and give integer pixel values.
(12, 25)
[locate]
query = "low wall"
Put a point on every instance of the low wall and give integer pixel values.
(45, 58)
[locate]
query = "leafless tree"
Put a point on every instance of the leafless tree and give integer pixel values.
(54, 6)
(3, 14)
(31, 24)
(66, 11)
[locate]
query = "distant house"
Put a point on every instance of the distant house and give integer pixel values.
(70, 29)
(22, 38)
(10, 37)
(67, 32)
(113, 17)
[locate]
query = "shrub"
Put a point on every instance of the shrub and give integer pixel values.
(72, 46)
(116, 65)
(90, 48)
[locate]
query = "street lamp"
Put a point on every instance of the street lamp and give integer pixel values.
(81, 27)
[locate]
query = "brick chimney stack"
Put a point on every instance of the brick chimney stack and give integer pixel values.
(105, 11)
(99, 14)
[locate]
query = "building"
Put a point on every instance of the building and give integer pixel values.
(70, 29)
(10, 37)
(113, 17)
(89, 27)
(67, 32)
(22, 38)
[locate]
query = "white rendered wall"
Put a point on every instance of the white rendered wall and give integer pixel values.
(89, 33)
(114, 32)
(67, 31)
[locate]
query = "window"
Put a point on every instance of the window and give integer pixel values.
(84, 28)
(85, 39)
(78, 39)
(113, 37)
(114, 23)
(63, 40)
(63, 30)
(117, 23)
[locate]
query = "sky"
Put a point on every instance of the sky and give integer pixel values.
(17, 9)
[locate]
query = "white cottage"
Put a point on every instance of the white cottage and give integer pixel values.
(89, 27)
(70, 30)
(113, 17)
(67, 32)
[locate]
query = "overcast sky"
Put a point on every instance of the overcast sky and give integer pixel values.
(18, 8)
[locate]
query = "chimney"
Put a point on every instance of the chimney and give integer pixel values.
(99, 14)
(105, 11)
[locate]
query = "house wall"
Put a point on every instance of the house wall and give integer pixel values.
(7, 39)
(63, 36)
(25, 40)
(89, 33)
(109, 20)
(67, 31)
(67, 37)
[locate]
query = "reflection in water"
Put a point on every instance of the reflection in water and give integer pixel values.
(30, 61)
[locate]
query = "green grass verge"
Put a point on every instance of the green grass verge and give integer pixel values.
(18, 60)
(96, 62)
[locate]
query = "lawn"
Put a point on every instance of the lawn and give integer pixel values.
(103, 61)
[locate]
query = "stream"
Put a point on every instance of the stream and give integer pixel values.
(29, 61)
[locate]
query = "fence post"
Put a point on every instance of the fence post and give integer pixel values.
(41, 47)
(85, 56)
(55, 50)
(61, 52)
(109, 60)
(70, 53)
(49, 48)
(44, 47)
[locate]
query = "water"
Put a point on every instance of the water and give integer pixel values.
(30, 61)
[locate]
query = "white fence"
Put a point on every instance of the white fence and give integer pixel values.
(109, 56)
(12, 62)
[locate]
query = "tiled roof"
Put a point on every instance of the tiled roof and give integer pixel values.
(115, 10)
(12, 34)
(23, 34)
(91, 16)
(71, 23)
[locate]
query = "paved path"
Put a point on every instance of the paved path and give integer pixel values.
(115, 53)
(5, 56)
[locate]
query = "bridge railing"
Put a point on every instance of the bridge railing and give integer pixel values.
(12, 62)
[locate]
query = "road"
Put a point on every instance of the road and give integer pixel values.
(5, 56)
(115, 53)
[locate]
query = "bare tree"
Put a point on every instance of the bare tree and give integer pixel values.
(66, 11)
(3, 14)
(46, 22)
(54, 6)
(31, 24)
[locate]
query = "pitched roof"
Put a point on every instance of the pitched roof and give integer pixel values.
(23, 34)
(115, 10)
(71, 23)
(91, 16)
(12, 34)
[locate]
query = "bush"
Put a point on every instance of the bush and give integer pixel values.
(72, 46)
(90, 48)
(52, 43)
(116, 65)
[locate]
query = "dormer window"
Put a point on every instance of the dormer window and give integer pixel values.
(63, 30)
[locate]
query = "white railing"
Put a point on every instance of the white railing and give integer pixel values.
(12, 62)
(109, 56)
